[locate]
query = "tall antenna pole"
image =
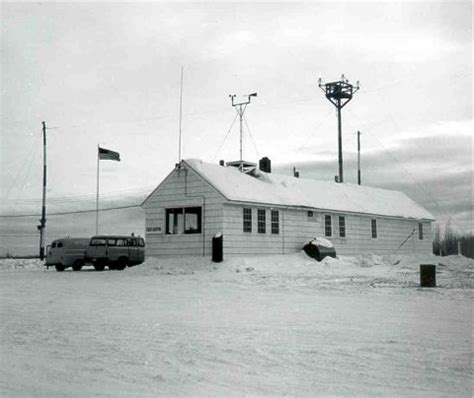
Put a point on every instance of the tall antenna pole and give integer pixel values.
(339, 93)
(42, 225)
(240, 108)
(358, 158)
(180, 114)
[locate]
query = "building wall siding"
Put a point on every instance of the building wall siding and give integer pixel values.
(296, 228)
(172, 193)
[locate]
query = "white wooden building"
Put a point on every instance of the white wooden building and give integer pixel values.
(265, 213)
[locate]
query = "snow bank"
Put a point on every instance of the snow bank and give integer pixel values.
(21, 264)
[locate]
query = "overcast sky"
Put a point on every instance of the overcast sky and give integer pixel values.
(109, 75)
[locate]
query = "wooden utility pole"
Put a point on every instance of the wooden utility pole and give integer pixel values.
(42, 225)
(358, 158)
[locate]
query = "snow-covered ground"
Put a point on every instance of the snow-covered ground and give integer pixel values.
(277, 325)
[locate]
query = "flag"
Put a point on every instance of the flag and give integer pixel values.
(107, 154)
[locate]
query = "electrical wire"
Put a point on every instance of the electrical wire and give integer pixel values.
(26, 164)
(68, 212)
(393, 157)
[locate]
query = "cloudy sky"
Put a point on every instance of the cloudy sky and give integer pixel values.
(109, 74)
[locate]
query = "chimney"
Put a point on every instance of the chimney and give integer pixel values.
(296, 173)
(265, 165)
(221, 162)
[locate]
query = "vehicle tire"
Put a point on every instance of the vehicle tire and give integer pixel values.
(77, 266)
(112, 267)
(59, 267)
(99, 266)
(122, 263)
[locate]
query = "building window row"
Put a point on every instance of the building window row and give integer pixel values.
(328, 232)
(328, 226)
(261, 221)
(183, 220)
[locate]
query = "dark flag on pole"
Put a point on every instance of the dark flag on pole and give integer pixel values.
(107, 154)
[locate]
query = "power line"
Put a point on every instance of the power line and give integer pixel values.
(68, 212)
(426, 192)
(84, 198)
(26, 165)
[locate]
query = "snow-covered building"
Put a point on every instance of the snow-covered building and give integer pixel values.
(265, 213)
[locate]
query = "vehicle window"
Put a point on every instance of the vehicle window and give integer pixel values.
(121, 242)
(53, 244)
(98, 242)
(132, 242)
(111, 242)
(141, 242)
(60, 244)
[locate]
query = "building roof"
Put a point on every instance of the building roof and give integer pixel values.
(280, 190)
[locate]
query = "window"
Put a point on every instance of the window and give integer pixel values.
(97, 242)
(310, 213)
(111, 242)
(261, 221)
(275, 218)
(121, 242)
(374, 228)
(247, 218)
(342, 226)
(185, 220)
(53, 245)
(420, 231)
(327, 225)
(60, 244)
(141, 242)
(192, 220)
(131, 242)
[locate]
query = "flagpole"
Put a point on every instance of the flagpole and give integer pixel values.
(97, 198)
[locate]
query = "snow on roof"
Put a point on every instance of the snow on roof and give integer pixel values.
(283, 190)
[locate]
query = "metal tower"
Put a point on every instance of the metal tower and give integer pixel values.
(240, 108)
(339, 93)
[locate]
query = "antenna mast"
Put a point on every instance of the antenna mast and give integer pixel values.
(180, 115)
(240, 108)
(339, 93)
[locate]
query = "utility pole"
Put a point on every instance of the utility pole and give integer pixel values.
(240, 108)
(42, 225)
(339, 93)
(358, 158)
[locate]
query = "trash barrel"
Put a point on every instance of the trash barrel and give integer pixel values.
(427, 275)
(217, 248)
(319, 248)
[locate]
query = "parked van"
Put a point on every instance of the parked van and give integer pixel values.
(114, 251)
(67, 252)
(117, 252)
